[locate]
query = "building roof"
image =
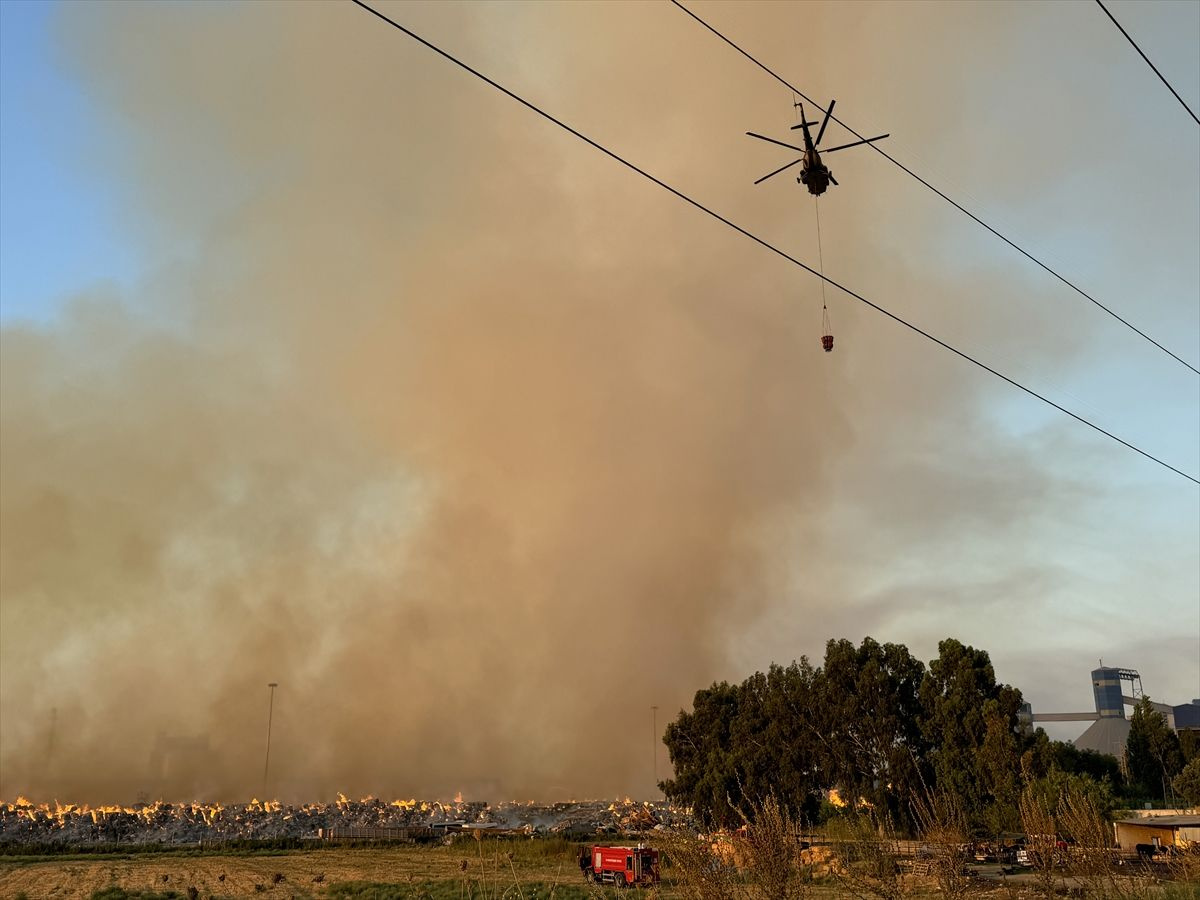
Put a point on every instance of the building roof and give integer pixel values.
(1187, 715)
(1164, 821)
(1106, 735)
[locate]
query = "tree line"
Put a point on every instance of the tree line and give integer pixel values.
(874, 727)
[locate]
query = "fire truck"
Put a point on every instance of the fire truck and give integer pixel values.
(620, 865)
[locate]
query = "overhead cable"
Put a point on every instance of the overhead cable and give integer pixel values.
(1147, 59)
(760, 241)
(952, 202)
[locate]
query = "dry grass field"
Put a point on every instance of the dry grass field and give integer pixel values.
(305, 873)
(519, 870)
(426, 872)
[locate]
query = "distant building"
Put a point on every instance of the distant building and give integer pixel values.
(1185, 716)
(1110, 728)
(1158, 831)
(1107, 735)
(1106, 688)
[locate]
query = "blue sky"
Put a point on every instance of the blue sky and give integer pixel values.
(59, 221)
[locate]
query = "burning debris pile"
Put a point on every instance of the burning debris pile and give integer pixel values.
(24, 822)
(592, 817)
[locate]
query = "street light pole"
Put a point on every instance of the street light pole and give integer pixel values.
(270, 713)
(654, 741)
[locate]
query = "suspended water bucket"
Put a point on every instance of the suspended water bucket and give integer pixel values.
(827, 342)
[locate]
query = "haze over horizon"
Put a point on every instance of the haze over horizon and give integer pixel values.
(323, 363)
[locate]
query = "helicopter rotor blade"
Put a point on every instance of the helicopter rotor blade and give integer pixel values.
(855, 144)
(802, 124)
(824, 122)
(773, 141)
(780, 169)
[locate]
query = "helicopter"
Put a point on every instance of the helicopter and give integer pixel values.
(814, 174)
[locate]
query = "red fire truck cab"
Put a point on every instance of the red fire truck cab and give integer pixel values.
(620, 865)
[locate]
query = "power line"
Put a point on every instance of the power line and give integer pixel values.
(720, 218)
(953, 203)
(1147, 59)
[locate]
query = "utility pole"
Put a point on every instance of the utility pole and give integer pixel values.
(267, 762)
(654, 741)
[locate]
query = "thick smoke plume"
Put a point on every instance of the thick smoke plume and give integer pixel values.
(475, 479)
(469, 439)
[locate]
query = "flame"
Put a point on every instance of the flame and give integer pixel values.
(458, 797)
(61, 814)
